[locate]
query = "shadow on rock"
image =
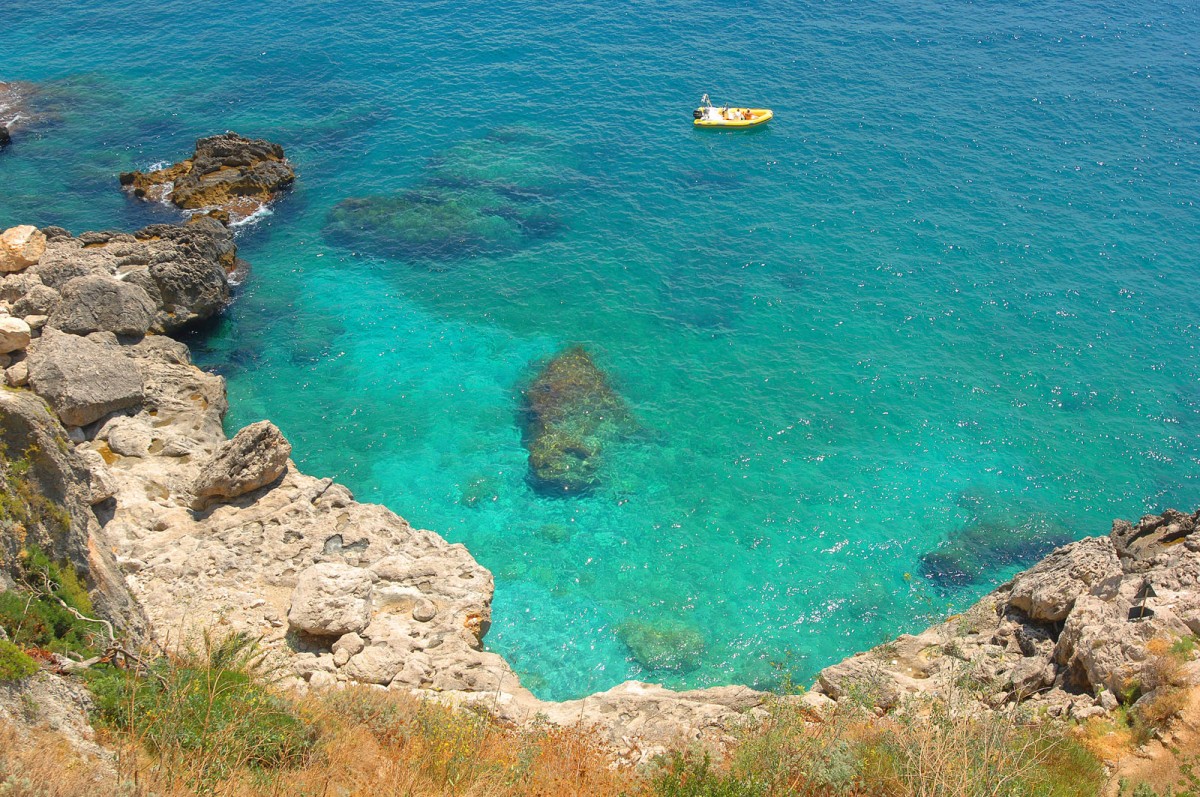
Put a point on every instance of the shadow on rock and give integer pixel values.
(569, 414)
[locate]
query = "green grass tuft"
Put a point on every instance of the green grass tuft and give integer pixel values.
(14, 664)
(212, 710)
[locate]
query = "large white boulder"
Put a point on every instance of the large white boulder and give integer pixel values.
(331, 599)
(255, 457)
(14, 334)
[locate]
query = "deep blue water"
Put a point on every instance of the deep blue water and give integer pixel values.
(946, 298)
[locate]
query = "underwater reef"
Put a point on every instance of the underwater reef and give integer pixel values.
(665, 645)
(487, 196)
(570, 414)
(980, 549)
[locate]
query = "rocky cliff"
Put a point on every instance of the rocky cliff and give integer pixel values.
(179, 529)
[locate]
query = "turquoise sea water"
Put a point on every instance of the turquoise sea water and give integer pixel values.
(948, 297)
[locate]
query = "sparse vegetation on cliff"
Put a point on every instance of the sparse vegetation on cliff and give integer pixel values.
(213, 725)
(14, 663)
(22, 506)
(39, 615)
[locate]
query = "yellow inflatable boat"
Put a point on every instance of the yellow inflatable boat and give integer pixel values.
(708, 115)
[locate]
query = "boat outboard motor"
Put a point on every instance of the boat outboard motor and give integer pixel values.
(698, 113)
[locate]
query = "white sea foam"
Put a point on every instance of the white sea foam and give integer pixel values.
(254, 218)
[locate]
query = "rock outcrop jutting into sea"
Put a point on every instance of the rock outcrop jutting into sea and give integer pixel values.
(1071, 633)
(229, 174)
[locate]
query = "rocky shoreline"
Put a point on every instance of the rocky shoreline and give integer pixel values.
(179, 529)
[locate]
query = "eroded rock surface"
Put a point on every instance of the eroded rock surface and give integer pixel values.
(228, 173)
(83, 379)
(100, 303)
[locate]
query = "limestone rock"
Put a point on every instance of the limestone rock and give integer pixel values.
(183, 270)
(424, 611)
(322, 680)
(350, 643)
(1138, 544)
(331, 599)
(98, 302)
(129, 437)
(102, 485)
(14, 334)
(20, 248)
(83, 380)
(255, 457)
(38, 300)
(17, 374)
(15, 286)
(188, 271)
(861, 680)
(377, 664)
(228, 172)
(1047, 591)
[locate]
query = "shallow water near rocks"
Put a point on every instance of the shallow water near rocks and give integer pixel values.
(941, 309)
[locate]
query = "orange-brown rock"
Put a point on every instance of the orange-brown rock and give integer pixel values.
(228, 173)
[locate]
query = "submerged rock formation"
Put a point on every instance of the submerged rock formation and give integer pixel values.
(434, 224)
(981, 548)
(665, 645)
(488, 196)
(570, 413)
(228, 173)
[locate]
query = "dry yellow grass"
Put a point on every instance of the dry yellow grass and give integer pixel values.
(40, 763)
(375, 744)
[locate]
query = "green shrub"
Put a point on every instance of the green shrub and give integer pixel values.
(64, 581)
(1184, 648)
(692, 776)
(33, 617)
(38, 622)
(204, 716)
(14, 664)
